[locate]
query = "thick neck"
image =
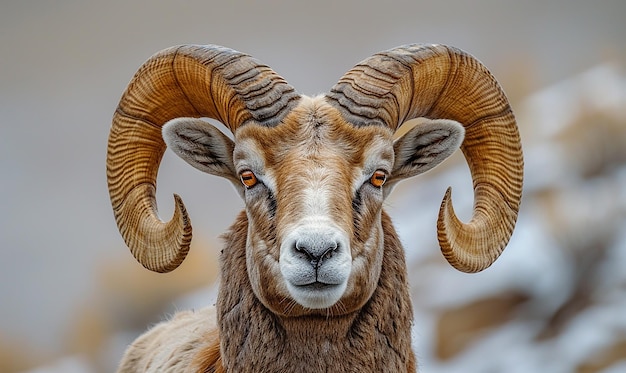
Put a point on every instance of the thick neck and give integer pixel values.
(376, 338)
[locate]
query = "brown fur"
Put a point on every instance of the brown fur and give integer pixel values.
(375, 338)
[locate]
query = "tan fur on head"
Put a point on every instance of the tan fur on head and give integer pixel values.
(312, 167)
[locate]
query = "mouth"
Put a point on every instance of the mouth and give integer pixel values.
(316, 286)
(317, 295)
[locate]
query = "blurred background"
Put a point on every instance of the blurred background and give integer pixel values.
(72, 297)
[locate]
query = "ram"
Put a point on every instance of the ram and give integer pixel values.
(313, 274)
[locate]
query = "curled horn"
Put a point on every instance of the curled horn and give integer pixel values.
(184, 81)
(436, 81)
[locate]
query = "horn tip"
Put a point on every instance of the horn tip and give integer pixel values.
(453, 238)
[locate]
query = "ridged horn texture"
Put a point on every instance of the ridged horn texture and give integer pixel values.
(437, 81)
(184, 81)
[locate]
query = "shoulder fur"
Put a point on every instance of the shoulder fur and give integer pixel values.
(173, 345)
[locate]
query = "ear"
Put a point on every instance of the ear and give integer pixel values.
(425, 146)
(201, 145)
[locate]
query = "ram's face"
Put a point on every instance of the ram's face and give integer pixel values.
(313, 188)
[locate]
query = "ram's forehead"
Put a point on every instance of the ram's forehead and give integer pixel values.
(314, 129)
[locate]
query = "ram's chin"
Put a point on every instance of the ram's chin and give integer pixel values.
(317, 295)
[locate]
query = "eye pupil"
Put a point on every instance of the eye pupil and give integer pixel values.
(248, 179)
(378, 178)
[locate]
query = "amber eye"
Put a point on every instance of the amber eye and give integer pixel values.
(378, 178)
(248, 179)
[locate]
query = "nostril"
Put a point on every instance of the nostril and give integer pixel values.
(302, 249)
(329, 251)
(306, 252)
(315, 252)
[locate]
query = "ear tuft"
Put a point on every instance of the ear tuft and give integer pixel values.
(425, 146)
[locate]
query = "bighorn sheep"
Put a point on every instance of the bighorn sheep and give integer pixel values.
(313, 275)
